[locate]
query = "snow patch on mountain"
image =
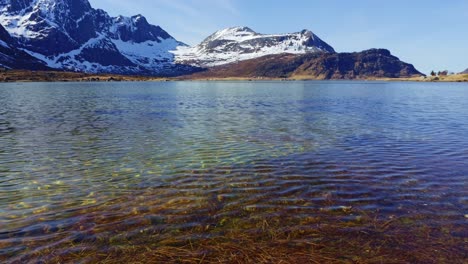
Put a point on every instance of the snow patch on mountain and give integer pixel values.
(73, 60)
(151, 54)
(13, 58)
(4, 44)
(18, 26)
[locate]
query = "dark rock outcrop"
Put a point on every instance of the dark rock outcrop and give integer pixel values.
(374, 63)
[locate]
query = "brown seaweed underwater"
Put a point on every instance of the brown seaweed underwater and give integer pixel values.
(216, 173)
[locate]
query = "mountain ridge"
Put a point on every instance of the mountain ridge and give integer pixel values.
(242, 43)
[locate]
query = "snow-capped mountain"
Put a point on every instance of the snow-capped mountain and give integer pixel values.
(242, 43)
(71, 35)
(13, 58)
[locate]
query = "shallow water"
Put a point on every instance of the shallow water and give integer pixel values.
(96, 167)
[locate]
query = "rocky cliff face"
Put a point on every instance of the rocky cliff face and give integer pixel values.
(71, 35)
(369, 64)
(242, 43)
(13, 58)
(374, 63)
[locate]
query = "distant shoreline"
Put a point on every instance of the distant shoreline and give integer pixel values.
(12, 76)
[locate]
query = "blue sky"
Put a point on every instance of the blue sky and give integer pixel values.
(430, 34)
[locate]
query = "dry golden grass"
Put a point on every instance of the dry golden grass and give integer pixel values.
(55, 76)
(448, 78)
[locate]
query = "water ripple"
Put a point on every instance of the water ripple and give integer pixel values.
(84, 165)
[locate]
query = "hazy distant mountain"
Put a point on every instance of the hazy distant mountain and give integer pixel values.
(13, 58)
(71, 35)
(242, 43)
(375, 63)
(465, 71)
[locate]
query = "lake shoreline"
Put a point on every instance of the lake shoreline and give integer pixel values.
(14, 76)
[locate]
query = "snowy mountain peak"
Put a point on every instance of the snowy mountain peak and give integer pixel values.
(240, 28)
(71, 35)
(307, 32)
(45, 6)
(130, 21)
(44, 19)
(242, 43)
(233, 33)
(137, 29)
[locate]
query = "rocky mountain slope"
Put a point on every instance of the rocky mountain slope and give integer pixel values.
(13, 58)
(71, 35)
(242, 43)
(369, 64)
